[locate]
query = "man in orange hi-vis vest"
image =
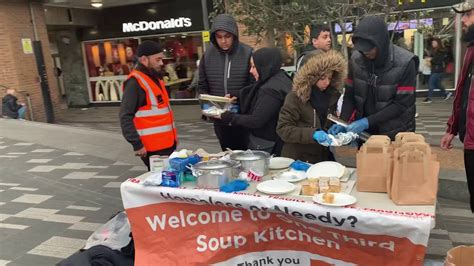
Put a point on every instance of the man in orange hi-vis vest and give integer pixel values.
(145, 114)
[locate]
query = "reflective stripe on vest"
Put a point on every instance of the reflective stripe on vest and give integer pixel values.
(152, 112)
(154, 121)
(154, 130)
(150, 91)
(154, 109)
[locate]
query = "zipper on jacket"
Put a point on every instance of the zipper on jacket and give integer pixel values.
(314, 118)
(226, 66)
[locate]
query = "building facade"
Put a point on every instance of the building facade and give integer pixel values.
(18, 67)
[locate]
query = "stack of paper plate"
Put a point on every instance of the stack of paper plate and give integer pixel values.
(278, 163)
(275, 187)
(326, 169)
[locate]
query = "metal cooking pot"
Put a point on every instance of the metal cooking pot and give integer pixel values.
(214, 173)
(257, 161)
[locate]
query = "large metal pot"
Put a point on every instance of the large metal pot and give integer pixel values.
(257, 161)
(214, 173)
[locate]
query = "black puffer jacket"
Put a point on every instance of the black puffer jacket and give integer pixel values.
(224, 72)
(10, 106)
(382, 90)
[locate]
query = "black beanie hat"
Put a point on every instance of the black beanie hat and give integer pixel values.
(148, 48)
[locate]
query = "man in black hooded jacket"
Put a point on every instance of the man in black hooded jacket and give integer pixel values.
(380, 89)
(224, 70)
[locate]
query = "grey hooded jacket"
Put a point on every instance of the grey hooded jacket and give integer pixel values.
(224, 72)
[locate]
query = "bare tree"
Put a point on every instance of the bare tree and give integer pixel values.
(273, 19)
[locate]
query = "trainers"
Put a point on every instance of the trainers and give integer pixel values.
(448, 96)
(427, 100)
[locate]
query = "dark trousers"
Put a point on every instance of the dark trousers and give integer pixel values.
(165, 152)
(469, 165)
(436, 83)
(234, 138)
(426, 78)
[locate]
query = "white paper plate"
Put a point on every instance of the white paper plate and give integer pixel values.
(280, 163)
(326, 169)
(340, 199)
(275, 187)
(291, 176)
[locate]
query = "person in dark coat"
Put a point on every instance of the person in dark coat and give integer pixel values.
(439, 60)
(461, 120)
(320, 36)
(10, 106)
(224, 71)
(302, 118)
(136, 99)
(380, 89)
(261, 102)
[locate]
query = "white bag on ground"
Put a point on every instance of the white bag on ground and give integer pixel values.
(115, 234)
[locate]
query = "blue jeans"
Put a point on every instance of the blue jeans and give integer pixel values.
(21, 112)
(436, 82)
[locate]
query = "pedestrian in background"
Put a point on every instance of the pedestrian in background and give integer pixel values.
(439, 61)
(425, 68)
(260, 103)
(11, 108)
(461, 120)
(192, 88)
(380, 89)
(315, 94)
(223, 71)
(320, 36)
(145, 114)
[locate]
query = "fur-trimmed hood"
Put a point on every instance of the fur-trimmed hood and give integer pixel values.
(320, 64)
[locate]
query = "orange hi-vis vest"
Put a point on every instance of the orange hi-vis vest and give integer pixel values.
(154, 121)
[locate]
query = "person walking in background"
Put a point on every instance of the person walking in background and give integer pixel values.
(192, 88)
(439, 60)
(11, 108)
(223, 71)
(260, 103)
(461, 120)
(145, 114)
(380, 89)
(303, 116)
(320, 36)
(425, 68)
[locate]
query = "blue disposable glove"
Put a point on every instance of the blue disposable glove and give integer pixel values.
(321, 137)
(336, 129)
(235, 185)
(299, 165)
(358, 126)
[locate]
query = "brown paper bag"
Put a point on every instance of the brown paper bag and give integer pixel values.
(460, 256)
(404, 137)
(415, 175)
(374, 166)
(401, 135)
(379, 138)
